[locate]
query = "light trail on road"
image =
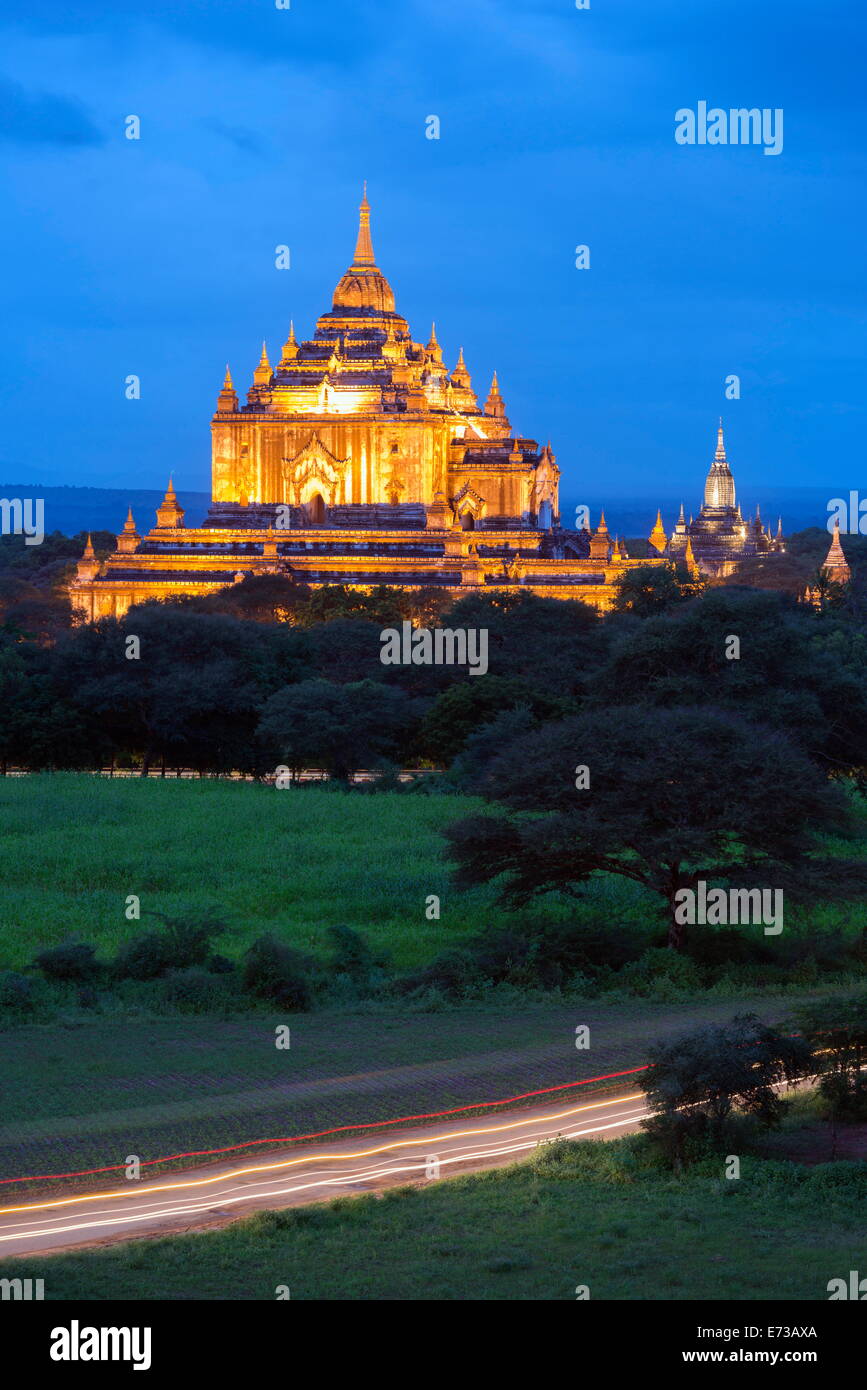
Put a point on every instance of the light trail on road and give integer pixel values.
(159, 1209)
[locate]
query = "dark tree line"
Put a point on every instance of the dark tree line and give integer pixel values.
(266, 673)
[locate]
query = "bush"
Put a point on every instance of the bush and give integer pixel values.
(16, 992)
(660, 973)
(274, 971)
(195, 989)
(351, 955)
(72, 960)
(453, 973)
(184, 941)
(144, 957)
(529, 954)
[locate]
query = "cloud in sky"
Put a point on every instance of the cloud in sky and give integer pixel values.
(44, 118)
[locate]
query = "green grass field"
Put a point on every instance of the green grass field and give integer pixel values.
(292, 862)
(573, 1215)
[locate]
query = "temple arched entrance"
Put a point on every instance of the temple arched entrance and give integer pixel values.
(316, 510)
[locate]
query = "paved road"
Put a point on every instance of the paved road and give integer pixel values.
(213, 1195)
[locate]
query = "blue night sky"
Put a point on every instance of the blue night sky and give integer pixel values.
(156, 257)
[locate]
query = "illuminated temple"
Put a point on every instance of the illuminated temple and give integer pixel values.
(359, 458)
(718, 540)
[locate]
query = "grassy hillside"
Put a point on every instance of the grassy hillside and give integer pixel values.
(292, 862)
(573, 1214)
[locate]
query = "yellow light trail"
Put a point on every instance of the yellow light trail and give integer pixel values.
(293, 1162)
(329, 1182)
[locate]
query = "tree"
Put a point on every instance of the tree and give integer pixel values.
(837, 1030)
(469, 704)
(803, 675)
(381, 605)
(548, 643)
(673, 797)
(262, 598)
(650, 589)
(340, 728)
(695, 1081)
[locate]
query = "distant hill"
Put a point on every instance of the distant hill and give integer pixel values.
(74, 509)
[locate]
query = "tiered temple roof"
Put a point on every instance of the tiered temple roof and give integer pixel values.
(359, 458)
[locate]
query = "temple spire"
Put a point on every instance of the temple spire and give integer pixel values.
(600, 541)
(227, 400)
(89, 552)
(128, 540)
(495, 405)
(719, 487)
(658, 538)
(262, 374)
(290, 347)
(689, 558)
(364, 246)
(170, 513)
(460, 375)
(836, 565)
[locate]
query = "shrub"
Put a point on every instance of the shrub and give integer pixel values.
(16, 992)
(351, 955)
(184, 941)
(144, 957)
(660, 973)
(195, 989)
(72, 960)
(452, 973)
(272, 970)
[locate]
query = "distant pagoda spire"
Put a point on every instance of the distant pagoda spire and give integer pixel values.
(836, 566)
(689, 558)
(88, 566)
(658, 538)
(719, 488)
